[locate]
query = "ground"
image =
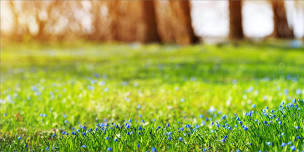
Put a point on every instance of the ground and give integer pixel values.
(99, 97)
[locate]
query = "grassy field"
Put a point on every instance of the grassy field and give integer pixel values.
(92, 97)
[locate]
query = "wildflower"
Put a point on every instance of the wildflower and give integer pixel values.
(169, 133)
(115, 139)
(224, 117)
(84, 146)
(180, 138)
(19, 138)
(283, 144)
(297, 127)
(253, 106)
(265, 122)
(73, 133)
(154, 149)
(106, 138)
(223, 140)
(169, 138)
(109, 149)
(245, 128)
(182, 129)
(54, 135)
(84, 134)
(238, 151)
(296, 138)
(293, 148)
(268, 143)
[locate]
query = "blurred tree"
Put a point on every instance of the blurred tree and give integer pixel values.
(18, 30)
(174, 23)
(281, 28)
(103, 14)
(135, 21)
(235, 19)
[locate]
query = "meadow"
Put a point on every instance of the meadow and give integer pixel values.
(119, 97)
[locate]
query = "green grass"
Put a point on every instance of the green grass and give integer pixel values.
(49, 88)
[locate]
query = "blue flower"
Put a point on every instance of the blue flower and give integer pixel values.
(253, 106)
(84, 146)
(293, 148)
(283, 144)
(106, 138)
(297, 127)
(73, 133)
(180, 138)
(182, 129)
(268, 143)
(223, 140)
(154, 149)
(115, 139)
(83, 133)
(245, 128)
(19, 138)
(238, 151)
(54, 135)
(169, 133)
(224, 117)
(169, 138)
(109, 149)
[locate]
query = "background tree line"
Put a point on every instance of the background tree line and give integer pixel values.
(165, 21)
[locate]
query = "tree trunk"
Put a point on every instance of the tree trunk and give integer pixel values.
(235, 19)
(174, 21)
(281, 28)
(135, 21)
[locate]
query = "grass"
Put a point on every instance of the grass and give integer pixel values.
(115, 97)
